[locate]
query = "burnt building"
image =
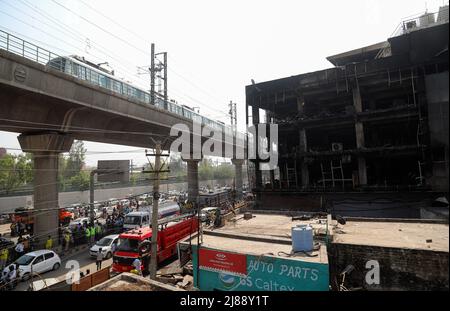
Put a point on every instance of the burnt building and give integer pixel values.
(367, 137)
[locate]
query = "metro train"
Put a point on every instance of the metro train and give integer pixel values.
(81, 68)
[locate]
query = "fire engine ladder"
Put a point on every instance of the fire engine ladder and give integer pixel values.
(291, 175)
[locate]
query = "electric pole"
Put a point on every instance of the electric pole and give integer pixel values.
(233, 117)
(157, 71)
(156, 169)
(152, 75)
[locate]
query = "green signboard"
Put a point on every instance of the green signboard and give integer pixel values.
(263, 273)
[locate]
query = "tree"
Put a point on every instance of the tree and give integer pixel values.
(71, 168)
(205, 169)
(80, 181)
(15, 171)
(75, 161)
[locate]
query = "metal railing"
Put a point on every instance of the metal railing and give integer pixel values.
(421, 21)
(25, 49)
(43, 56)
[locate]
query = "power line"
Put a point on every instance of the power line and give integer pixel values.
(89, 152)
(101, 51)
(135, 76)
(144, 39)
(101, 28)
(112, 20)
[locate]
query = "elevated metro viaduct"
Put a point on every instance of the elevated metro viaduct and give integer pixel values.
(50, 109)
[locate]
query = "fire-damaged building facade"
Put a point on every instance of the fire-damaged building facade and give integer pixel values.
(367, 137)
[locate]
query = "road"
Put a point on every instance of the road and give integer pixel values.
(84, 260)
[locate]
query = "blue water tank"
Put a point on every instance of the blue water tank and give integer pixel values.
(302, 238)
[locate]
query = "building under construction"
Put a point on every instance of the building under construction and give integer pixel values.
(367, 137)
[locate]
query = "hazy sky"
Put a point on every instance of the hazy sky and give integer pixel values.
(215, 47)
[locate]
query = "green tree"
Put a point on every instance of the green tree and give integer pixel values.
(80, 181)
(15, 171)
(205, 169)
(71, 172)
(75, 161)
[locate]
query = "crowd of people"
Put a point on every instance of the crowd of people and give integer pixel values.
(68, 236)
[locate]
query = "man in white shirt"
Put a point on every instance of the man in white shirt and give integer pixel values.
(99, 259)
(12, 273)
(19, 249)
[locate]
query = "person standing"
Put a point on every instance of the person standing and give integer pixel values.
(3, 258)
(99, 259)
(88, 235)
(92, 234)
(19, 248)
(137, 264)
(49, 243)
(97, 231)
(67, 240)
(11, 278)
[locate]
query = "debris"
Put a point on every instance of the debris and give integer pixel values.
(188, 269)
(302, 217)
(171, 270)
(188, 279)
(174, 279)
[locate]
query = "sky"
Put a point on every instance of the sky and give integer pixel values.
(215, 48)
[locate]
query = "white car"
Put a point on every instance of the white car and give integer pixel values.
(37, 262)
(74, 223)
(105, 244)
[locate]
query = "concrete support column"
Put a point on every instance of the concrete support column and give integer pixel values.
(238, 177)
(300, 104)
(192, 179)
(258, 174)
(304, 166)
(272, 178)
(45, 149)
(359, 130)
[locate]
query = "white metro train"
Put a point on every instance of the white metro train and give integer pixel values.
(81, 68)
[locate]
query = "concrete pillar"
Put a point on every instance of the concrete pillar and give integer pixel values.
(304, 166)
(305, 174)
(258, 174)
(238, 177)
(359, 130)
(272, 178)
(192, 179)
(45, 149)
(300, 104)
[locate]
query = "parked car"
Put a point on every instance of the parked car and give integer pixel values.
(37, 262)
(105, 244)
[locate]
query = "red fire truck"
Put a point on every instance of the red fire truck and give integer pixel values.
(136, 243)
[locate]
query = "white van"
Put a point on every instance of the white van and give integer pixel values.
(143, 217)
(136, 219)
